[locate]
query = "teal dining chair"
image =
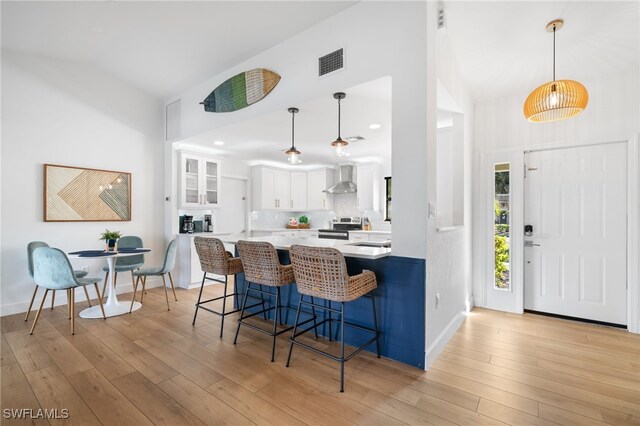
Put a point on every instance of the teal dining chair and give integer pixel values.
(126, 263)
(166, 268)
(30, 248)
(52, 271)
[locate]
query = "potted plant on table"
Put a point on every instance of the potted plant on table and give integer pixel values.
(303, 222)
(111, 239)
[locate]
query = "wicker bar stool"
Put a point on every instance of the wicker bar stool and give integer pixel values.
(262, 267)
(322, 272)
(214, 259)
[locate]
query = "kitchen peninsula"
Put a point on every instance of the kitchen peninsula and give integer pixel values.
(399, 296)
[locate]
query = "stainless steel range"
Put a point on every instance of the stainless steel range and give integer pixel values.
(341, 227)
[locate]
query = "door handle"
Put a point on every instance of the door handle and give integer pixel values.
(531, 244)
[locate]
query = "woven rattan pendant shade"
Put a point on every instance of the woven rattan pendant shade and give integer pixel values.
(556, 100)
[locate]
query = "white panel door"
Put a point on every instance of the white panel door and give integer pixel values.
(232, 214)
(299, 191)
(575, 258)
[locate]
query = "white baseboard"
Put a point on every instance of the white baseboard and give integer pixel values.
(434, 350)
(61, 296)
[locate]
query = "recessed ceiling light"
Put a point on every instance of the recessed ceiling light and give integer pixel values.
(375, 126)
(219, 143)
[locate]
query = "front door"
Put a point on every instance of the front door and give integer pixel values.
(575, 232)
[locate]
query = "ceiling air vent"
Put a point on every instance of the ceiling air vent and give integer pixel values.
(331, 62)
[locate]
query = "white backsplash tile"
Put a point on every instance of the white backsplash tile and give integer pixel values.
(344, 205)
(270, 219)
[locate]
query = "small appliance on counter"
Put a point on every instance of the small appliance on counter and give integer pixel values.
(186, 224)
(198, 226)
(208, 223)
(340, 227)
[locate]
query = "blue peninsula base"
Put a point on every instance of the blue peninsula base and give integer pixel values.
(400, 303)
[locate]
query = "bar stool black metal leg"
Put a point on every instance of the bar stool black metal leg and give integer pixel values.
(244, 303)
(279, 302)
(375, 323)
(341, 346)
(264, 312)
(224, 305)
(315, 323)
(199, 297)
(275, 324)
(295, 328)
(235, 290)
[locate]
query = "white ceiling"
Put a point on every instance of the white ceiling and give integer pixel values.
(502, 47)
(159, 47)
(268, 136)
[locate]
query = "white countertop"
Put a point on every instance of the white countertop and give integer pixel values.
(284, 229)
(345, 247)
(371, 232)
(205, 234)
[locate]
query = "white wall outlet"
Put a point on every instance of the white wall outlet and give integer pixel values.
(437, 300)
(433, 211)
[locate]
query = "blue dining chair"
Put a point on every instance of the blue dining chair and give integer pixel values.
(52, 271)
(30, 248)
(166, 268)
(126, 263)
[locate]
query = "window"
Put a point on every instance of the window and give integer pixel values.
(387, 199)
(502, 232)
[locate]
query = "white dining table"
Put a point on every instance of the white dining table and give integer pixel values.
(112, 306)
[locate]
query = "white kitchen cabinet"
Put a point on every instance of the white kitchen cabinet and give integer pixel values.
(289, 234)
(376, 237)
(317, 182)
(270, 189)
(368, 182)
(358, 237)
(283, 189)
(266, 187)
(189, 270)
(299, 191)
(199, 181)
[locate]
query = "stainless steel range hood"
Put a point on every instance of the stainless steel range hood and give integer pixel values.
(346, 185)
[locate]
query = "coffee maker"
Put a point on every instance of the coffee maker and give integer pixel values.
(208, 223)
(186, 224)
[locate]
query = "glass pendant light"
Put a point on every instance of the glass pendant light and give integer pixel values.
(339, 144)
(292, 152)
(558, 99)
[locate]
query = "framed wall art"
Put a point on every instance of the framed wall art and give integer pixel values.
(77, 194)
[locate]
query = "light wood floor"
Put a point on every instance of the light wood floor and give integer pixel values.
(153, 367)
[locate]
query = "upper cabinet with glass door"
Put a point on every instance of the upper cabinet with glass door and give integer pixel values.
(199, 182)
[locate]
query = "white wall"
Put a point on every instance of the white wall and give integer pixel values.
(613, 114)
(380, 39)
(71, 114)
(448, 253)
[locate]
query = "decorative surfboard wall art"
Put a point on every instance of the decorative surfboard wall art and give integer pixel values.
(241, 90)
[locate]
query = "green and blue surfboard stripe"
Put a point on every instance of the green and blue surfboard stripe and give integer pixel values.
(241, 90)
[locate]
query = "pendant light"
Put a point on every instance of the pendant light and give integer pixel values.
(339, 143)
(558, 99)
(292, 152)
